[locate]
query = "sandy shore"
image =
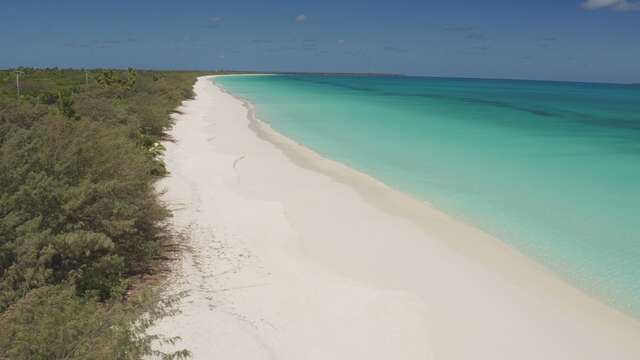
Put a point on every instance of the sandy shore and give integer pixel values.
(292, 256)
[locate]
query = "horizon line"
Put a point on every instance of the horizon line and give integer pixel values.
(327, 73)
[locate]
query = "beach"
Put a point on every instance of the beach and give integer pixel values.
(289, 255)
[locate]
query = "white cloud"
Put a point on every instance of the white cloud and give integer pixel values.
(301, 18)
(619, 5)
(214, 22)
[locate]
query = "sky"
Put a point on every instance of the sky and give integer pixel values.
(574, 40)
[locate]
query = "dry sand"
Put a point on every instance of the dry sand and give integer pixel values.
(292, 256)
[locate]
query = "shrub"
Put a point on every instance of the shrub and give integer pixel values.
(32, 330)
(79, 216)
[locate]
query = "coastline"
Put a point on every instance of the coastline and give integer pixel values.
(382, 264)
(456, 231)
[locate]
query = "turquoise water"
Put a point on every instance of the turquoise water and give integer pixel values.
(552, 169)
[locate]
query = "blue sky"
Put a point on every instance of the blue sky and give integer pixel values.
(579, 40)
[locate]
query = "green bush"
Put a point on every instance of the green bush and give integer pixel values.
(74, 183)
(79, 216)
(53, 323)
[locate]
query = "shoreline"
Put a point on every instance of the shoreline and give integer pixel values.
(456, 231)
(372, 265)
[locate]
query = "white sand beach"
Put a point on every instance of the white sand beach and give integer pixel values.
(292, 256)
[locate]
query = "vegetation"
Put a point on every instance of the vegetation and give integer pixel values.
(80, 220)
(52, 322)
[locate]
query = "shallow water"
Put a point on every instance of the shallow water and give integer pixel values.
(552, 169)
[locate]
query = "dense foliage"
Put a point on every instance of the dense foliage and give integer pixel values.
(79, 216)
(55, 323)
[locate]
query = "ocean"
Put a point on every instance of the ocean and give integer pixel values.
(550, 168)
